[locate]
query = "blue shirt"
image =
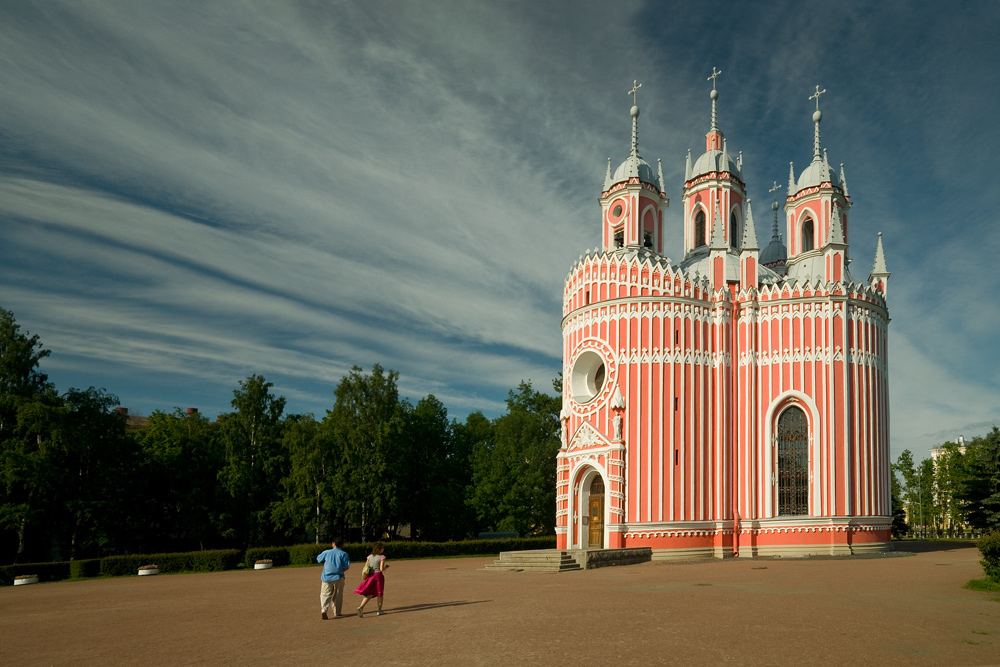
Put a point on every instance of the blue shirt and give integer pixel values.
(334, 562)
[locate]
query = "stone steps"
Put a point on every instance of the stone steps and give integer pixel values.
(535, 560)
(567, 560)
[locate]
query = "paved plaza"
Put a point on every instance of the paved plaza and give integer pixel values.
(901, 610)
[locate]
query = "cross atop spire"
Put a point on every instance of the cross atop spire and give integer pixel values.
(815, 96)
(635, 87)
(775, 188)
(715, 74)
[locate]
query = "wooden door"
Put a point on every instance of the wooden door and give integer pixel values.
(596, 514)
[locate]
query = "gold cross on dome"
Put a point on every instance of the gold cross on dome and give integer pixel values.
(635, 86)
(816, 95)
(714, 76)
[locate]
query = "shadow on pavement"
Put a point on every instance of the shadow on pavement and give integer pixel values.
(920, 546)
(432, 605)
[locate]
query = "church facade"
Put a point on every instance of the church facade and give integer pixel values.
(735, 402)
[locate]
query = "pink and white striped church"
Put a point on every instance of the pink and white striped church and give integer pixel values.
(736, 402)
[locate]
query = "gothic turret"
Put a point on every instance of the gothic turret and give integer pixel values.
(633, 201)
(715, 178)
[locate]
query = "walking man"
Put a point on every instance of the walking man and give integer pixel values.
(335, 563)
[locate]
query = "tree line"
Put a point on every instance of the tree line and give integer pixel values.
(77, 482)
(954, 494)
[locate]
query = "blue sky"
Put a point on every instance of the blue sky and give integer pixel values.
(193, 192)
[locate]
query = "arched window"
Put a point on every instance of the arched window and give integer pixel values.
(807, 235)
(619, 238)
(734, 239)
(647, 239)
(699, 229)
(793, 462)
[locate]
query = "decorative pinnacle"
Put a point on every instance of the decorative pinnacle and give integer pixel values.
(817, 117)
(714, 95)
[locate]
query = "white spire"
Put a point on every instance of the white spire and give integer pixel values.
(714, 95)
(687, 167)
(659, 172)
(791, 177)
(817, 117)
(836, 235)
(749, 232)
(843, 179)
(879, 269)
(718, 237)
(607, 177)
(724, 164)
(634, 171)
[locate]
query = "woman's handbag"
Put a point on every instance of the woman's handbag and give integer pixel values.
(366, 570)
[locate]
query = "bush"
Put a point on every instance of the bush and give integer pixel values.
(277, 555)
(989, 549)
(305, 554)
(90, 567)
(45, 572)
(192, 561)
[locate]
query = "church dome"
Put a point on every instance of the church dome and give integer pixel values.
(635, 166)
(716, 160)
(774, 252)
(817, 173)
(698, 262)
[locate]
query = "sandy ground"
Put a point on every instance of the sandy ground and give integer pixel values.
(900, 611)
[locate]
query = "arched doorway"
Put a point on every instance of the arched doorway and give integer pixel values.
(595, 513)
(793, 462)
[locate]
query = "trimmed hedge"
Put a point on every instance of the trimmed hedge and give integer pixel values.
(989, 549)
(192, 561)
(305, 554)
(45, 571)
(278, 555)
(90, 567)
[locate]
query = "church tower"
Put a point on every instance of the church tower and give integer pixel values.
(714, 194)
(633, 201)
(817, 216)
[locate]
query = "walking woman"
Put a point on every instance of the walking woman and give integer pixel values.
(374, 584)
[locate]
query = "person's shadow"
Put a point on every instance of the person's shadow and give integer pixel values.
(432, 605)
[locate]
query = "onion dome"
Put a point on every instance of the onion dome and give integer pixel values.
(717, 161)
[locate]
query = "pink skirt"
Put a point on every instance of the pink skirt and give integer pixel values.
(372, 586)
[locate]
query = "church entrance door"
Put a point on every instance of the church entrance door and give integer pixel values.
(596, 520)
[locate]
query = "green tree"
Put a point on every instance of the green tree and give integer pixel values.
(366, 424)
(255, 461)
(182, 457)
(431, 461)
(99, 480)
(514, 474)
(899, 526)
(981, 492)
(310, 488)
(29, 415)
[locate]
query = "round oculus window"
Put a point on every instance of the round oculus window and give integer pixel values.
(617, 211)
(587, 377)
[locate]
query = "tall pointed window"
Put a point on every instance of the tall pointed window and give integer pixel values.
(793, 462)
(734, 239)
(807, 235)
(619, 238)
(699, 229)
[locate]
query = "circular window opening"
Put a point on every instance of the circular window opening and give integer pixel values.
(587, 377)
(617, 211)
